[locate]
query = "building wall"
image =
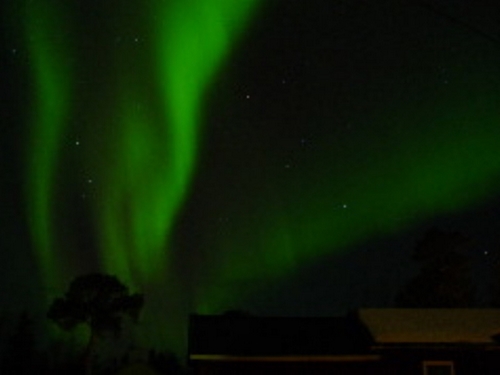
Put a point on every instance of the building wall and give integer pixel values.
(289, 368)
(393, 363)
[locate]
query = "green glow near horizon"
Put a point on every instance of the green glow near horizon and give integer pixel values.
(52, 79)
(450, 163)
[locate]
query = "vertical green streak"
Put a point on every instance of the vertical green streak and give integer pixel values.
(134, 208)
(193, 37)
(156, 146)
(51, 75)
(148, 155)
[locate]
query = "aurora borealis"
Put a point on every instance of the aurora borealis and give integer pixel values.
(202, 150)
(139, 135)
(146, 158)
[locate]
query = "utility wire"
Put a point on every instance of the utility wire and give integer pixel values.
(431, 8)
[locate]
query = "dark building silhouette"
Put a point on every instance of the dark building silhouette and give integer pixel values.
(371, 341)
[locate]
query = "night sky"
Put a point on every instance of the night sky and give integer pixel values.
(281, 157)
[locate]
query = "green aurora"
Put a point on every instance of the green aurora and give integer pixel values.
(139, 138)
(400, 183)
(422, 151)
(140, 129)
(50, 55)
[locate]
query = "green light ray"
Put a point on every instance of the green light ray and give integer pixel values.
(49, 55)
(146, 177)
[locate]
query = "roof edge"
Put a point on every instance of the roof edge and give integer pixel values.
(290, 358)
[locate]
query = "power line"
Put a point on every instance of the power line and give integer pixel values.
(431, 8)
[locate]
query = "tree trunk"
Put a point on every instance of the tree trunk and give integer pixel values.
(89, 351)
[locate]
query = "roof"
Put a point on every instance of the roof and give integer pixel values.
(435, 326)
(276, 336)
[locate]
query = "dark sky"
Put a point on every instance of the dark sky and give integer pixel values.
(329, 137)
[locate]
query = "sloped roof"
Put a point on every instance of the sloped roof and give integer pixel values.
(437, 326)
(276, 336)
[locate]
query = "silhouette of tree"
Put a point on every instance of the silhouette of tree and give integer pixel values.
(98, 301)
(444, 279)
